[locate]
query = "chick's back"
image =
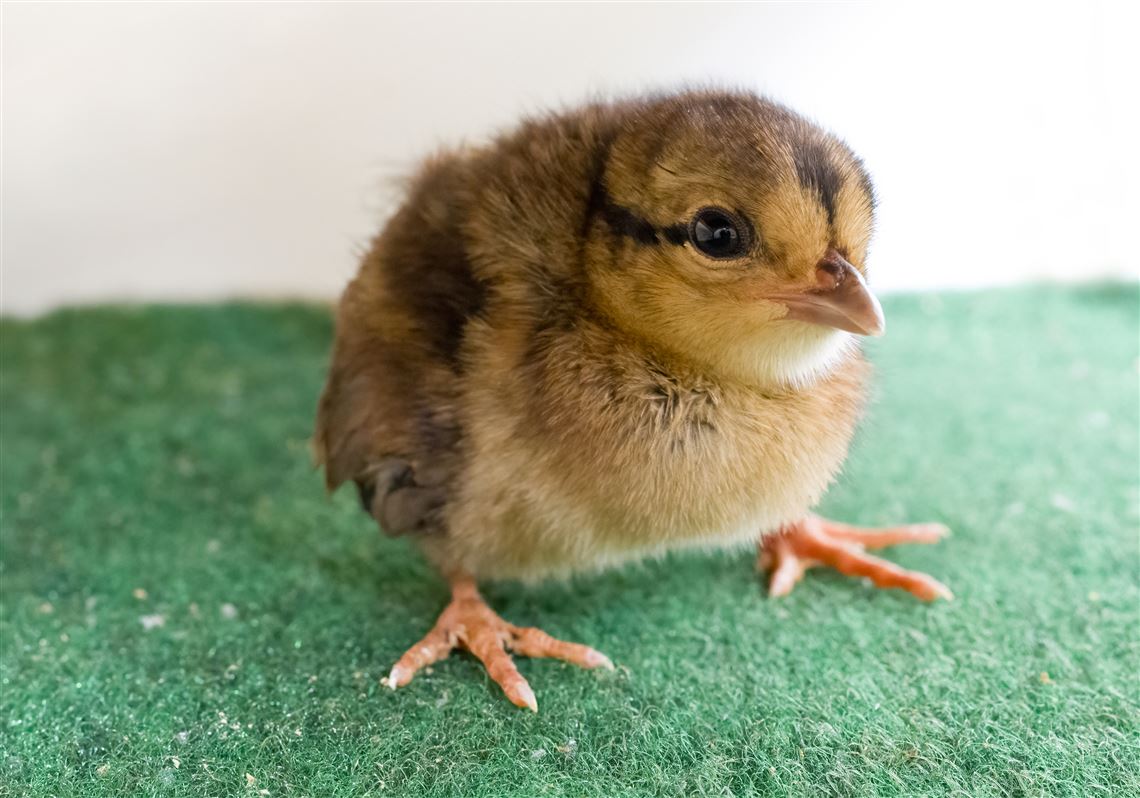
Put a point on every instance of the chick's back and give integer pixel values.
(386, 419)
(480, 226)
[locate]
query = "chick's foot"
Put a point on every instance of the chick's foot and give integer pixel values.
(787, 554)
(468, 623)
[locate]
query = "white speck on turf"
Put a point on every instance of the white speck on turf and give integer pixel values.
(1062, 502)
(152, 621)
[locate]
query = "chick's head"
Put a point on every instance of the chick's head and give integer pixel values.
(732, 233)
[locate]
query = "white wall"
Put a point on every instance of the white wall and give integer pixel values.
(207, 150)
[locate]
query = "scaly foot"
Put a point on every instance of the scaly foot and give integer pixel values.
(815, 541)
(467, 622)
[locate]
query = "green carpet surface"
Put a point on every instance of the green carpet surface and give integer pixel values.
(186, 614)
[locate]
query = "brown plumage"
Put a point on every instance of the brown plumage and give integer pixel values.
(611, 332)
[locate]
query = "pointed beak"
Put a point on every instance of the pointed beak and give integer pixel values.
(840, 299)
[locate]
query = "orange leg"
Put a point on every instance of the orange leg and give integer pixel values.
(467, 622)
(788, 553)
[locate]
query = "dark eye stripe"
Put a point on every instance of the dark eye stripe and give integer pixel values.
(676, 234)
(625, 222)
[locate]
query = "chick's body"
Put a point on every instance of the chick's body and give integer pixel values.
(595, 455)
(539, 369)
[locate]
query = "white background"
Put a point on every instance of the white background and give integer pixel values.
(188, 151)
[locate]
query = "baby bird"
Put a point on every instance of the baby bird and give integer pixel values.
(612, 332)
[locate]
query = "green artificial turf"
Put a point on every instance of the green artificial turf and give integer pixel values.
(155, 468)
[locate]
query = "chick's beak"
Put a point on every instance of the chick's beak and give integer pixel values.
(840, 299)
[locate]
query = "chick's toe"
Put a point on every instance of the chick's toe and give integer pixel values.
(787, 554)
(469, 623)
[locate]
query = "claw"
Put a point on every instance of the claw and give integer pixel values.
(524, 697)
(596, 659)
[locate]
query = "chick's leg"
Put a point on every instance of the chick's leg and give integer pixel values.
(468, 623)
(787, 554)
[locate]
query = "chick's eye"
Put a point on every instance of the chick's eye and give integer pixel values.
(719, 234)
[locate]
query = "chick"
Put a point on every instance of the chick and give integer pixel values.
(612, 332)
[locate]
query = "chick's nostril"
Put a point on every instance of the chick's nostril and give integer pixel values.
(829, 274)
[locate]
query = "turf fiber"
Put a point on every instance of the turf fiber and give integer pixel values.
(185, 613)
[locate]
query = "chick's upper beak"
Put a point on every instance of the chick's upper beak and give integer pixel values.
(840, 299)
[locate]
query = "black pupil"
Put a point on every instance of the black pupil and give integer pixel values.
(716, 235)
